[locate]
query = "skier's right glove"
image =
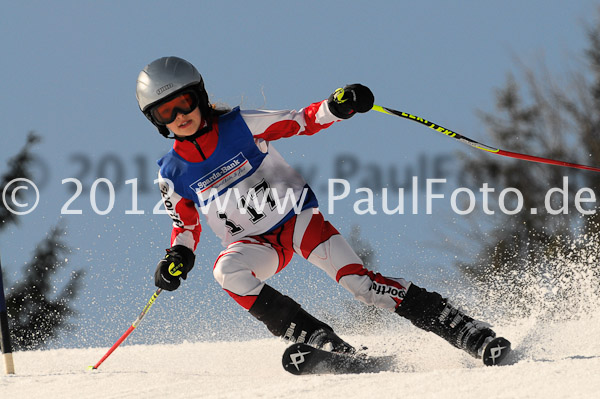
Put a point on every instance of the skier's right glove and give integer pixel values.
(175, 266)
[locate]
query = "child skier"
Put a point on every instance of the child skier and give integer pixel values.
(222, 161)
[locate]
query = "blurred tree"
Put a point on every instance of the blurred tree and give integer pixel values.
(18, 167)
(36, 312)
(527, 259)
(362, 247)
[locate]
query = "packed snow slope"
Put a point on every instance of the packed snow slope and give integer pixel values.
(551, 360)
(549, 310)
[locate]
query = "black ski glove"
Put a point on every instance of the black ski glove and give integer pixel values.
(176, 264)
(344, 103)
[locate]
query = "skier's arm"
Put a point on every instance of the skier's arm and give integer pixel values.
(342, 104)
(186, 221)
(185, 235)
(274, 125)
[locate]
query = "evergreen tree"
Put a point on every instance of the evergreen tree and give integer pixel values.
(18, 167)
(36, 311)
(535, 261)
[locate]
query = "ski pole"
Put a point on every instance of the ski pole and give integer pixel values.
(478, 145)
(129, 330)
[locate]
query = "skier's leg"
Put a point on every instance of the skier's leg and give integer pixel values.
(431, 312)
(242, 267)
(241, 270)
(321, 244)
(285, 318)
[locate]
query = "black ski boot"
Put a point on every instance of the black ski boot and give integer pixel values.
(430, 312)
(285, 318)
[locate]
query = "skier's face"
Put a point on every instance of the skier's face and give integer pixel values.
(186, 124)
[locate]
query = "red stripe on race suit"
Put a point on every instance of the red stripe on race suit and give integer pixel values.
(195, 234)
(188, 216)
(359, 270)
(317, 232)
(280, 130)
(352, 269)
(281, 240)
(291, 127)
(310, 115)
(244, 301)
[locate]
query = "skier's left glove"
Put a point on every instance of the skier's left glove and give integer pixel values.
(175, 266)
(346, 102)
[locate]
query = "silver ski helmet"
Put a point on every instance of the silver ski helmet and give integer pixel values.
(165, 78)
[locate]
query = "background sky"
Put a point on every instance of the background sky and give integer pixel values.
(69, 70)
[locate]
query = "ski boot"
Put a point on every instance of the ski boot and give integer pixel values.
(285, 318)
(326, 339)
(430, 312)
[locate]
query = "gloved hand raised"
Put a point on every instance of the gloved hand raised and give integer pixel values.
(176, 264)
(344, 103)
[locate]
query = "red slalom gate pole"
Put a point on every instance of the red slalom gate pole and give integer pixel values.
(129, 330)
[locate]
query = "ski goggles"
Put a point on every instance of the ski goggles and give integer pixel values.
(166, 112)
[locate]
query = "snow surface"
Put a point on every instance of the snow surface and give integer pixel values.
(551, 360)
